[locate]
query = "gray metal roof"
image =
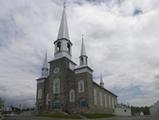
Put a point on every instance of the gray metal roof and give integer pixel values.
(63, 31)
(83, 50)
(45, 64)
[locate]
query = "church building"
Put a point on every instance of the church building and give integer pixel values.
(67, 87)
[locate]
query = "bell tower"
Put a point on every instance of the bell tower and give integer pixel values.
(63, 44)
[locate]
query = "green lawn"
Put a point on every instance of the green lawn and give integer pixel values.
(59, 115)
(74, 116)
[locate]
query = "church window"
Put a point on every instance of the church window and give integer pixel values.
(81, 86)
(69, 47)
(72, 95)
(40, 93)
(56, 104)
(83, 103)
(109, 101)
(59, 46)
(47, 98)
(105, 99)
(82, 60)
(113, 103)
(56, 86)
(95, 96)
(101, 99)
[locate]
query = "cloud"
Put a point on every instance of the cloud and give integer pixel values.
(120, 45)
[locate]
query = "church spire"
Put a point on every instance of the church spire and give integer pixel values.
(83, 51)
(101, 81)
(83, 57)
(63, 30)
(63, 44)
(45, 63)
(44, 72)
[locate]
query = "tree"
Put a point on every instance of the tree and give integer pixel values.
(136, 110)
(1, 102)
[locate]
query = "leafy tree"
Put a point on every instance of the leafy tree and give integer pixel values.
(136, 110)
(1, 102)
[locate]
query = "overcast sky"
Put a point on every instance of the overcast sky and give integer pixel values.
(121, 40)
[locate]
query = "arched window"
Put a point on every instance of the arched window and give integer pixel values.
(113, 105)
(95, 96)
(82, 61)
(69, 47)
(56, 86)
(105, 99)
(47, 99)
(72, 95)
(81, 86)
(101, 98)
(109, 101)
(40, 93)
(59, 46)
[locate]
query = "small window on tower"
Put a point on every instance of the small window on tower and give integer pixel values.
(56, 86)
(81, 86)
(40, 93)
(82, 60)
(72, 95)
(69, 47)
(59, 46)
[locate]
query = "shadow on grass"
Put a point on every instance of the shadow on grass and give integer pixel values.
(97, 115)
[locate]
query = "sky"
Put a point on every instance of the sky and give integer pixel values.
(121, 39)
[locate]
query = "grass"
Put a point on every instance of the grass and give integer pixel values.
(97, 115)
(74, 116)
(59, 115)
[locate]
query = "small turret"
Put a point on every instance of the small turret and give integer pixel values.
(44, 72)
(101, 81)
(83, 57)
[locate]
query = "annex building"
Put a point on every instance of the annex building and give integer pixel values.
(68, 87)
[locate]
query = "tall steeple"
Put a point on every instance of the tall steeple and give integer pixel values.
(101, 81)
(83, 57)
(63, 31)
(63, 43)
(44, 72)
(83, 50)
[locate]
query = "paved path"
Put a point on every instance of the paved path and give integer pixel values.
(28, 116)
